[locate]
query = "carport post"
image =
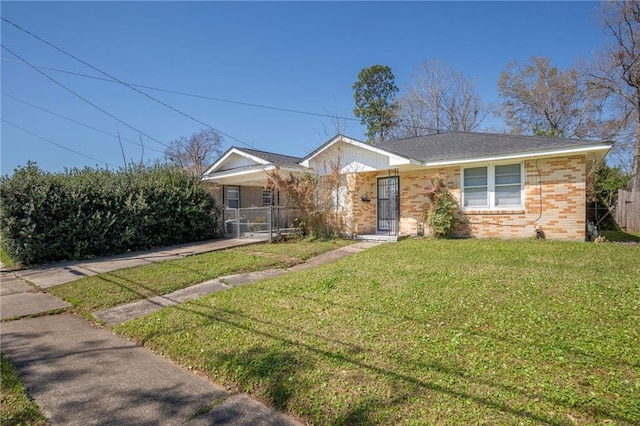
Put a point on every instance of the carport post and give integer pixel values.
(270, 222)
(238, 222)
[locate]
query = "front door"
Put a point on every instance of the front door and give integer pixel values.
(388, 204)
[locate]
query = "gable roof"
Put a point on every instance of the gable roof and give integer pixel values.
(394, 157)
(271, 157)
(461, 146)
(256, 156)
(465, 147)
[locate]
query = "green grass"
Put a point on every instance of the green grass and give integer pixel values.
(621, 236)
(15, 406)
(7, 261)
(127, 285)
(427, 332)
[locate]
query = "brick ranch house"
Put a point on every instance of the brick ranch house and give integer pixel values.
(506, 186)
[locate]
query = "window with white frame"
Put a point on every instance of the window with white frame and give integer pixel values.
(267, 197)
(494, 186)
(233, 197)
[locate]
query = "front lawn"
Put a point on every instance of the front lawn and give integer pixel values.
(127, 285)
(427, 332)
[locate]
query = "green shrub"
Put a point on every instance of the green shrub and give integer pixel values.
(439, 215)
(77, 214)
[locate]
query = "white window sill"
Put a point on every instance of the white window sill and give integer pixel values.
(494, 211)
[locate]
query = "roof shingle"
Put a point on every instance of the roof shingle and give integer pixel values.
(461, 145)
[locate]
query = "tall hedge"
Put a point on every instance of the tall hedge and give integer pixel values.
(78, 214)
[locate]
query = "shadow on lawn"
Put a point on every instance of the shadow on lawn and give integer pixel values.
(273, 367)
(272, 370)
(405, 318)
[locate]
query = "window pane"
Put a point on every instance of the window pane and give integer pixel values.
(266, 196)
(475, 197)
(508, 174)
(508, 195)
(233, 198)
(475, 176)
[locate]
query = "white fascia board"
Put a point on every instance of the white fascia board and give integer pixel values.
(550, 153)
(236, 151)
(241, 171)
(394, 159)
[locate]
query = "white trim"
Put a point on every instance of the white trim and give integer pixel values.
(248, 170)
(236, 151)
(507, 157)
(394, 159)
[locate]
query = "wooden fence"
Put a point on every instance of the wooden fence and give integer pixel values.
(628, 210)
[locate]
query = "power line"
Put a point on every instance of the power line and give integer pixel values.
(83, 98)
(212, 98)
(194, 95)
(78, 122)
(57, 144)
(124, 83)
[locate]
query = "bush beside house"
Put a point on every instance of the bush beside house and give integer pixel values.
(77, 214)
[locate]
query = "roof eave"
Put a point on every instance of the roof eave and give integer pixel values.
(228, 153)
(532, 154)
(249, 170)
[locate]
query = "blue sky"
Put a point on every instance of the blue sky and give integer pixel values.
(293, 55)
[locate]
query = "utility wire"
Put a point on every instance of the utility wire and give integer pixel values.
(124, 83)
(78, 122)
(216, 99)
(194, 95)
(57, 144)
(81, 97)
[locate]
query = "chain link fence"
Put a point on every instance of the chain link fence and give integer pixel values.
(270, 222)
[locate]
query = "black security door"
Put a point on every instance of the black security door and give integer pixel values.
(388, 204)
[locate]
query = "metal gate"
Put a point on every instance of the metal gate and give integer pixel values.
(388, 204)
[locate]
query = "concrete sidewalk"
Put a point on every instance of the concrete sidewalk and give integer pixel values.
(60, 273)
(123, 313)
(81, 374)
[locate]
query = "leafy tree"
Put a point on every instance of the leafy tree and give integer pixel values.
(608, 181)
(375, 97)
(196, 152)
(439, 99)
(541, 99)
(616, 70)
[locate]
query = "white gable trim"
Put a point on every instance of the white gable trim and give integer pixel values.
(236, 151)
(394, 159)
(246, 171)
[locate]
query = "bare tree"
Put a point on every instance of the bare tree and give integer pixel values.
(617, 71)
(439, 99)
(194, 153)
(336, 125)
(539, 98)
